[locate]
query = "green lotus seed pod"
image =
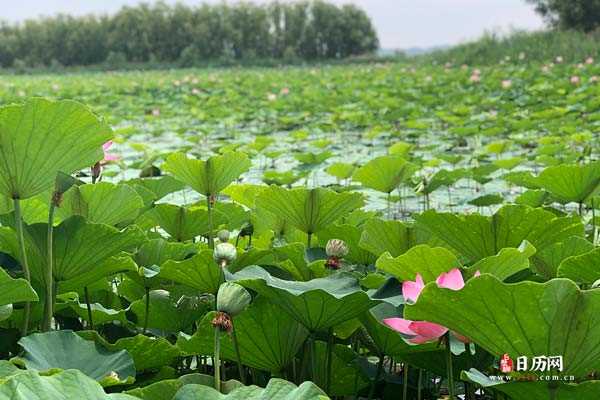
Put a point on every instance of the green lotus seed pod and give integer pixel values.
(223, 235)
(232, 298)
(336, 248)
(224, 253)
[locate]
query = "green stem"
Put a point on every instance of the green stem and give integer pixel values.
(449, 368)
(419, 384)
(405, 382)
(147, 313)
(86, 293)
(377, 375)
(217, 360)
(238, 355)
(209, 207)
(330, 345)
(308, 240)
(24, 262)
(48, 306)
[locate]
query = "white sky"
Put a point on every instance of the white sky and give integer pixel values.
(400, 23)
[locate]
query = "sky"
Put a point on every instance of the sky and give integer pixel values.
(400, 23)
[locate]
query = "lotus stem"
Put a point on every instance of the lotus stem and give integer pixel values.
(24, 262)
(330, 345)
(86, 293)
(377, 376)
(209, 208)
(49, 305)
(238, 354)
(217, 359)
(419, 384)
(147, 313)
(308, 240)
(405, 382)
(449, 368)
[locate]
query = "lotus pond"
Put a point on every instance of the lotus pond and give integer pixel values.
(381, 231)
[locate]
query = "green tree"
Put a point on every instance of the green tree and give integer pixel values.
(570, 14)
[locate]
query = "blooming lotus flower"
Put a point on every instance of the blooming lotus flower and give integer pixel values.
(575, 80)
(423, 331)
(506, 84)
(285, 91)
(559, 59)
(475, 78)
(594, 79)
(589, 60)
(107, 156)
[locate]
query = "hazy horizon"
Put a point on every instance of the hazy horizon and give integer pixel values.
(406, 24)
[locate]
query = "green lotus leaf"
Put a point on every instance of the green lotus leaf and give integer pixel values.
(507, 262)
(384, 173)
(583, 268)
(571, 183)
(430, 262)
(183, 223)
(309, 210)
(547, 261)
(100, 314)
(67, 350)
(268, 339)
(200, 272)
(15, 290)
(159, 251)
(277, 389)
(41, 138)
(158, 186)
(103, 203)
(380, 236)
(346, 376)
(476, 236)
(318, 304)
(167, 388)
(165, 312)
(537, 390)
(65, 385)
(524, 319)
(211, 176)
(340, 170)
(147, 352)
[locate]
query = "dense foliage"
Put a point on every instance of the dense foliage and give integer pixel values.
(582, 15)
(305, 30)
(384, 231)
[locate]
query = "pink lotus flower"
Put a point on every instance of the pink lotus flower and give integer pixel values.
(589, 60)
(575, 80)
(475, 78)
(422, 331)
(107, 156)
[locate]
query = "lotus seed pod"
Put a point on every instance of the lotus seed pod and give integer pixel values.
(223, 235)
(224, 253)
(336, 248)
(232, 298)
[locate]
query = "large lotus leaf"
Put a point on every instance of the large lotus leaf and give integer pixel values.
(103, 203)
(318, 304)
(167, 388)
(182, 223)
(65, 385)
(547, 261)
(536, 390)
(380, 236)
(147, 352)
(166, 312)
(524, 319)
(351, 235)
(309, 210)
(430, 262)
(211, 176)
(15, 290)
(159, 251)
(584, 268)
(159, 186)
(384, 173)
(476, 236)
(445, 178)
(268, 339)
(108, 267)
(40, 138)
(200, 272)
(506, 263)
(571, 183)
(277, 389)
(67, 350)
(346, 376)
(68, 305)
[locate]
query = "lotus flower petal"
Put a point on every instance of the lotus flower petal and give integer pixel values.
(412, 289)
(451, 280)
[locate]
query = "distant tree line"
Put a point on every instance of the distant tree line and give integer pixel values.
(582, 15)
(306, 30)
